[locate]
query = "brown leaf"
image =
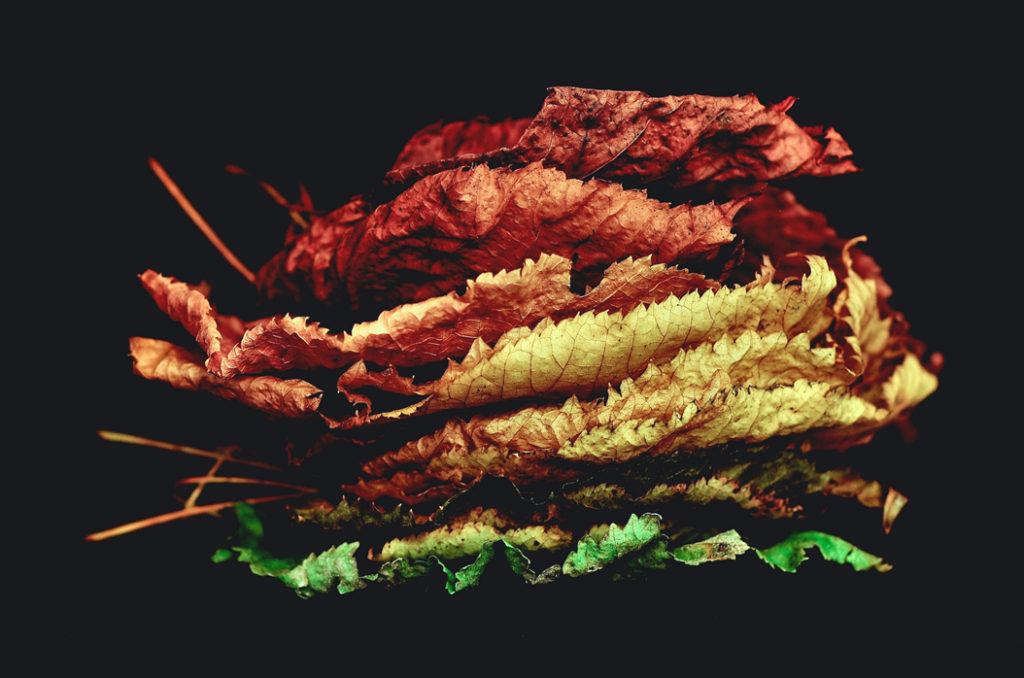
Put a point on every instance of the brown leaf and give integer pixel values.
(456, 457)
(446, 327)
(479, 135)
(714, 489)
(775, 225)
(859, 321)
(420, 333)
(663, 411)
(454, 225)
(189, 305)
(894, 503)
(180, 368)
(307, 262)
(686, 139)
(907, 385)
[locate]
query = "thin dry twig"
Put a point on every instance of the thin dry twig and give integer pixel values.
(233, 480)
(116, 437)
(201, 485)
(222, 457)
(296, 216)
(197, 218)
(183, 513)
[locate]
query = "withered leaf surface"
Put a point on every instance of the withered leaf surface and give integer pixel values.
(164, 361)
(725, 546)
(454, 225)
(439, 141)
(652, 415)
(582, 355)
(685, 139)
(860, 323)
(468, 538)
(774, 224)
(189, 305)
(307, 262)
(702, 491)
(423, 332)
(585, 375)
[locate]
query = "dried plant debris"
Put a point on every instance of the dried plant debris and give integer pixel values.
(605, 380)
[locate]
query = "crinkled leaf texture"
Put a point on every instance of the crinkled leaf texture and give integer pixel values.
(590, 351)
(476, 136)
(633, 548)
(685, 139)
(334, 568)
(648, 417)
(454, 225)
(775, 225)
(417, 333)
(749, 388)
(593, 554)
(788, 555)
(582, 355)
(163, 361)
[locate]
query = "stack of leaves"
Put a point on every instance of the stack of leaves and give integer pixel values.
(612, 381)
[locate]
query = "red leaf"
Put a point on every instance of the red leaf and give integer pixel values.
(454, 225)
(479, 135)
(774, 224)
(188, 304)
(685, 139)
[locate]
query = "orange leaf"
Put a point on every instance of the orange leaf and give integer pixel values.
(180, 368)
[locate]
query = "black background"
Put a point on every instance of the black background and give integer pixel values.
(329, 104)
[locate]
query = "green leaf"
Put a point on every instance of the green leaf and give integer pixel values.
(638, 547)
(725, 546)
(787, 555)
(520, 564)
(317, 573)
(263, 563)
(654, 556)
(592, 554)
(468, 576)
(399, 571)
(221, 555)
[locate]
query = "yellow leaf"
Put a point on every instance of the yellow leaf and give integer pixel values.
(583, 355)
(462, 539)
